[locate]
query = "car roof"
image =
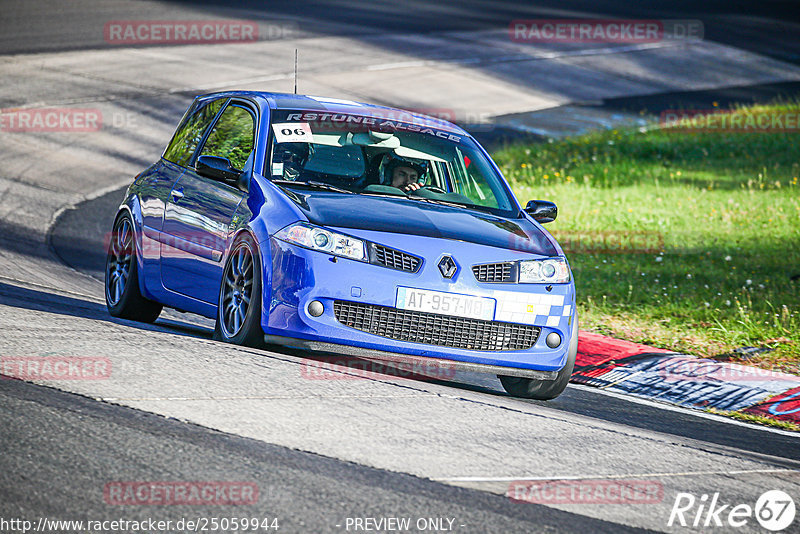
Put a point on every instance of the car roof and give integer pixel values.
(288, 101)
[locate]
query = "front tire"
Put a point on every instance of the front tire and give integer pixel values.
(239, 305)
(123, 297)
(530, 388)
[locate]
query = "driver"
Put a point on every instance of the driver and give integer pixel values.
(405, 178)
(403, 173)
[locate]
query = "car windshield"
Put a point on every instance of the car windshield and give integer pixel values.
(354, 154)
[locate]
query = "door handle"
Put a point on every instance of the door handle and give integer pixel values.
(177, 194)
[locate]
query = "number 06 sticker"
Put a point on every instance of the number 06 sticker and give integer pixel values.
(292, 132)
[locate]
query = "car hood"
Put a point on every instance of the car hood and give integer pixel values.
(398, 215)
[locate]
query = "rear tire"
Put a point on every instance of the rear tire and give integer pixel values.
(239, 304)
(531, 388)
(123, 297)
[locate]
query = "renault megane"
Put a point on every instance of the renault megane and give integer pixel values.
(342, 227)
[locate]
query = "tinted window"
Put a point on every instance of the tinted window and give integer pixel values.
(232, 137)
(347, 162)
(363, 153)
(190, 133)
(470, 178)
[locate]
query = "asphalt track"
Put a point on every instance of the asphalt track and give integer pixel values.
(182, 407)
(77, 239)
(768, 27)
(64, 445)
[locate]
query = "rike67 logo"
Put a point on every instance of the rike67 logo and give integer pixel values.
(774, 510)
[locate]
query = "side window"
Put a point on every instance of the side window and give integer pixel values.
(470, 182)
(190, 133)
(232, 136)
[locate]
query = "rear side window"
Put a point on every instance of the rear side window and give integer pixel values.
(190, 133)
(232, 136)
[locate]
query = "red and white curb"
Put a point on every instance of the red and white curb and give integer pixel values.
(630, 368)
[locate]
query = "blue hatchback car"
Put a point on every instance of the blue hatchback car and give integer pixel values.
(346, 228)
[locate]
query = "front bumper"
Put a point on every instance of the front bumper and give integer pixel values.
(299, 276)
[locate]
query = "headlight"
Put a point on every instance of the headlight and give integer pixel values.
(549, 271)
(318, 238)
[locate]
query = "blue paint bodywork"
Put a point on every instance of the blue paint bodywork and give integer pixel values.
(183, 242)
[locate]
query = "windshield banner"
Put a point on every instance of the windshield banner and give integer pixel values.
(325, 120)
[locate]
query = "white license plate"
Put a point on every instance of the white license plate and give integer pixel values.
(445, 303)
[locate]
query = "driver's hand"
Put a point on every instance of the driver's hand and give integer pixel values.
(413, 186)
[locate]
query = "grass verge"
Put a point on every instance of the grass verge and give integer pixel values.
(757, 419)
(682, 238)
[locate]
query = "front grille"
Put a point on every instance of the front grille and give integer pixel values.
(395, 259)
(435, 329)
(494, 272)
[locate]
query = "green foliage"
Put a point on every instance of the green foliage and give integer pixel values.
(758, 419)
(716, 264)
(232, 137)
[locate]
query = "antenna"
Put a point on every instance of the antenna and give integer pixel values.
(295, 71)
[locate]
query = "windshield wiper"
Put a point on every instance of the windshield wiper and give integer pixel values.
(452, 203)
(314, 185)
(436, 201)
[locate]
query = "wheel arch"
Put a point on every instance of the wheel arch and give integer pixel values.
(264, 256)
(132, 208)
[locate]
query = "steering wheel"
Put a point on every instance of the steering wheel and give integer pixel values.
(432, 188)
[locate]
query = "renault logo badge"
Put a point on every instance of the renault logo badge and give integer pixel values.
(448, 267)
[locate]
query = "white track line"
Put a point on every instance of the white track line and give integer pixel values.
(271, 397)
(620, 476)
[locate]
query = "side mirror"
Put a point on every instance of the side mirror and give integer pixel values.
(216, 168)
(542, 211)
